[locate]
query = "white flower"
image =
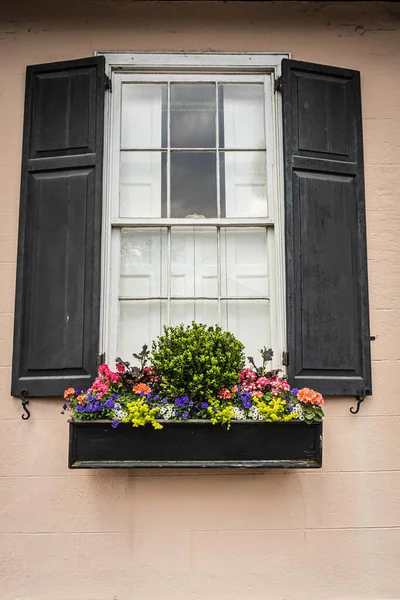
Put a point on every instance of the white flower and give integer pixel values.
(254, 413)
(119, 415)
(239, 414)
(166, 412)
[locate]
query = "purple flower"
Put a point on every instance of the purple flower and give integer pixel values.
(65, 407)
(80, 408)
(110, 403)
(115, 424)
(62, 412)
(185, 416)
(204, 405)
(294, 391)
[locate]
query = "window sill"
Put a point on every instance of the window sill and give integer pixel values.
(193, 444)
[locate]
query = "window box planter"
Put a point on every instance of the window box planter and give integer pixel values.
(247, 444)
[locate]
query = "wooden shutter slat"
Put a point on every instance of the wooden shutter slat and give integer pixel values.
(326, 265)
(56, 333)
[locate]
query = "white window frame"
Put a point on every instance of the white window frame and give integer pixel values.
(150, 65)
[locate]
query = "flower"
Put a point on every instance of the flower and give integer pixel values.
(114, 424)
(224, 393)
(141, 387)
(69, 392)
(308, 396)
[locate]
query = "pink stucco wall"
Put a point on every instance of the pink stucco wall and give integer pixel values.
(333, 533)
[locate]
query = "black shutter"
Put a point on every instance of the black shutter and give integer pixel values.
(56, 332)
(326, 263)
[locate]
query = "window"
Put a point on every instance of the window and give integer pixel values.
(184, 218)
(194, 204)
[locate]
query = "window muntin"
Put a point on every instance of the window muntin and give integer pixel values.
(178, 139)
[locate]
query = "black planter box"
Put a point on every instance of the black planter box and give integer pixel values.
(247, 444)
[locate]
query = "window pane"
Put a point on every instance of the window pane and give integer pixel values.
(193, 184)
(243, 184)
(140, 322)
(244, 262)
(144, 115)
(193, 110)
(143, 269)
(243, 116)
(143, 178)
(249, 320)
(194, 261)
(201, 311)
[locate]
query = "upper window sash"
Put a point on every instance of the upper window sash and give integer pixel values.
(116, 147)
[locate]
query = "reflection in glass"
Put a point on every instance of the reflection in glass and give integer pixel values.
(193, 184)
(249, 320)
(244, 262)
(243, 184)
(142, 184)
(194, 261)
(144, 115)
(243, 120)
(140, 322)
(193, 114)
(143, 266)
(201, 311)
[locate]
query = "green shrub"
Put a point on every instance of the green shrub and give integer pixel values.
(197, 361)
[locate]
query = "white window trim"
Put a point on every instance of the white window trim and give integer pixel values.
(118, 63)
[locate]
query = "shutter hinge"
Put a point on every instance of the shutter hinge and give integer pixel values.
(278, 84)
(107, 83)
(285, 359)
(360, 399)
(100, 359)
(24, 400)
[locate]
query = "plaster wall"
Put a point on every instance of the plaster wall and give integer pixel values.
(328, 534)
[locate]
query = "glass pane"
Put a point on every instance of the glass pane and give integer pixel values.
(193, 184)
(194, 261)
(144, 115)
(249, 320)
(243, 116)
(193, 110)
(143, 269)
(143, 177)
(243, 184)
(244, 262)
(140, 322)
(201, 311)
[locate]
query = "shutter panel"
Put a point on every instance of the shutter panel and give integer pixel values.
(326, 263)
(56, 332)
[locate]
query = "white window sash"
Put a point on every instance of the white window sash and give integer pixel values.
(193, 67)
